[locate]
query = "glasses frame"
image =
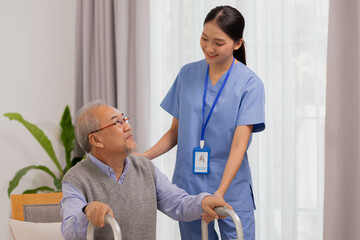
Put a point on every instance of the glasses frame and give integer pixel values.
(120, 121)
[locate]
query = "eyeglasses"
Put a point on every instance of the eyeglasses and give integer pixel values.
(119, 123)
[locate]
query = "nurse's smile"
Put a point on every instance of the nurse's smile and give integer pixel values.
(211, 56)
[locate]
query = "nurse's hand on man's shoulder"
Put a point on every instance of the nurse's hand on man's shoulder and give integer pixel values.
(96, 211)
(208, 204)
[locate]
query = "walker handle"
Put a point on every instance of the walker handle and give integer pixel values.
(113, 223)
(224, 212)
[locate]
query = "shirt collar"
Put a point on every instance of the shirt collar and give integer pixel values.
(108, 170)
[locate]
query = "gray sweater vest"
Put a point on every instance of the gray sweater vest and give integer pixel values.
(133, 202)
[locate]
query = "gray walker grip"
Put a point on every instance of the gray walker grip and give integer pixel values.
(113, 223)
(224, 212)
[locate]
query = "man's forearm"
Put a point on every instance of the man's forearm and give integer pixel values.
(75, 222)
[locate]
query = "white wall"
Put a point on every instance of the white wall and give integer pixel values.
(37, 74)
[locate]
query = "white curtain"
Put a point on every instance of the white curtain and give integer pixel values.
(342, 136)
(112, 59)
(286, 46)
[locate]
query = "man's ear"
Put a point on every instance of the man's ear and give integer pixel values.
(95, 141)
(238, 44)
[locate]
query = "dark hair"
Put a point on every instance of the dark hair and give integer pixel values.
(232, 23)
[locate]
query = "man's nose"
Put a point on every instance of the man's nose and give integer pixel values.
(126, 127)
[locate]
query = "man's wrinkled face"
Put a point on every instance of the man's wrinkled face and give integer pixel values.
(118, 138)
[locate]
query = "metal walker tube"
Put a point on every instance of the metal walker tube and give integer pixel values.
(114, 225)
(224, 212)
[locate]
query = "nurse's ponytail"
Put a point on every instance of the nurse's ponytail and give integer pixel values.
(232, 23)
(240, 54)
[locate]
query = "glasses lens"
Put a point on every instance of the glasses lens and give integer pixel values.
(120, 122)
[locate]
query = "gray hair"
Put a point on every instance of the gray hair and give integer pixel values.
(86, 122)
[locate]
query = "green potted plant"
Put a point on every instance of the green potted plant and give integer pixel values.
(69, 142)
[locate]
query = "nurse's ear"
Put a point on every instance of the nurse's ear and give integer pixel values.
(238, 44)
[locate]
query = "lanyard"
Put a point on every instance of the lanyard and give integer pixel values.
(216, 99)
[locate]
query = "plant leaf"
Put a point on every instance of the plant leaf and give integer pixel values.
(67, 134)
(57, 183)
(38, 134)
(15, 181)
(39, 189)
(73, 162)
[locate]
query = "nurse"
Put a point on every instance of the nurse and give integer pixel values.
(216, 104)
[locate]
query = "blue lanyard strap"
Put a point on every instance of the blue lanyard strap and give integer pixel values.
(216, 99)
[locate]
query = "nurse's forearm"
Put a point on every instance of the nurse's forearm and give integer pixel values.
(166, 142)
(237, 151)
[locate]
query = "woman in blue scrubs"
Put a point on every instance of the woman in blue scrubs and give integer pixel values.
(216, 104)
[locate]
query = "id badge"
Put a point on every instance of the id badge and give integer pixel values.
(201, 160)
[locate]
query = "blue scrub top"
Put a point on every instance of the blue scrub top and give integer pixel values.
(242, 102)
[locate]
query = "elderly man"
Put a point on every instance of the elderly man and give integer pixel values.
(128, 187)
